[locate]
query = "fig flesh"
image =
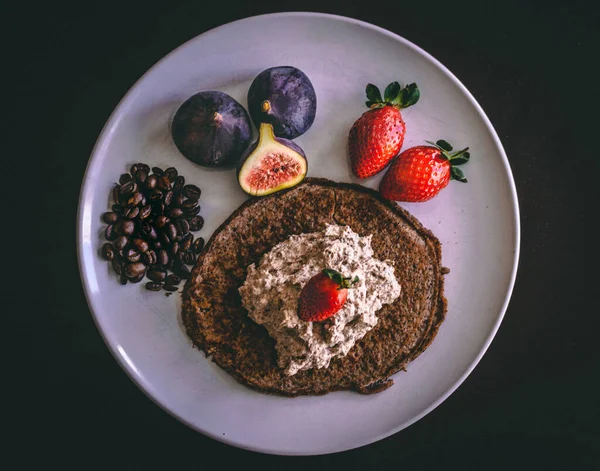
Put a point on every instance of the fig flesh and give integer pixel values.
(212, 129)
(271, 164)
(284, 97)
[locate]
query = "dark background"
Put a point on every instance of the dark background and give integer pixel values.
(531, 403)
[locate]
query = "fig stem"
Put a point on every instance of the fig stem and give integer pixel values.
(265, 132)
(265, 106)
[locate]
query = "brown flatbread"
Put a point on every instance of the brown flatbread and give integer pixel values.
(218, 324)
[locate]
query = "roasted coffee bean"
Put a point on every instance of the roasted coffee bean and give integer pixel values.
(153, 286)
(116, 265)
(174, 248)
(188, 239)
(183, 227)
(191, 191)
(140, 244)
(161, 221)
(158, 209)
(135, 199)
(110, 217)
(136, 279)
(117, 208)
(198, 245)
(108, 252)
(171, 230)
(141, 175)
(157, 244)
(145, 211)
(149, 257)
(151, 182)
(175, 213)
(157, 171)
(132, 212)
(172, 279)
(168, 197)
(189, 204)
(179, 183)
(188, 258)
(164, 183)
(162, 257)
(190, 213)
(110, 233)
(196, 223)
(126, 177)
(133, 255)
(126, 227)
(133, 270)
(177, 200)
(180, 269)
(170, 288)
(164, 239)
(171, 174)
(116, 193)
(134, 168)
(157, 274)
(127, 188)
(120, 242)
(122, 279)
(156, 196)
(144, 167)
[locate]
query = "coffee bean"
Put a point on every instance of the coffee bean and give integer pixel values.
(140, 245)
(127, 227)
(117, 267)
(145, 211)
(175, 213)
(124, 178)
(110, 232)
(158, 208)
(179, 183)
(144, 167)
(122, 279)
(174, 248)
(164, 239)
(171, 230)
(170, 288)
(133, 255)
(189, 204)
(188, 258)
(157, 244)
(156, 196)
(186, 242)
(171, 174)
(164, 183)
(198, 245)
(161, 221)
(127, 188)
(132, 212)
(153, 286)
(189, 213)
(180, 269)
(191, 191)
(108, 252)
(196, 223)
(157, 171)
(183, 227)
(168, 197)
(151, 182)
(116, 193)
(149, 257)
(137, 279)
(120, 242)
(134, 168)
(141, 175)
(133, 270)
(110, 217)
(162, 257)
(117, 209)
(172, 279)
(177, 200)
(135, 199)
(157, 274)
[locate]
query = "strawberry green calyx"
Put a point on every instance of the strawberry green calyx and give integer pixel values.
(456, 158)
(393, 95)
(340, 279)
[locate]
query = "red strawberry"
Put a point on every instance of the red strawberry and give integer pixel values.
(376, 137)
(419, 173)
(323, 295)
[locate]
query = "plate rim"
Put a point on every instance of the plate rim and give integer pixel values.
(140, 382)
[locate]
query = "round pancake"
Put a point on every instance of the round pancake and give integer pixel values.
(219, 325)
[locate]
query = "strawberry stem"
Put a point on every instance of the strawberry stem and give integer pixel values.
(394, 95)
(344, 282)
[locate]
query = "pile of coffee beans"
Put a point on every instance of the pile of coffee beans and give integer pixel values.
(150, 227)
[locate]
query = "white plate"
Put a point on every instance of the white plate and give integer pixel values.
(477, 223)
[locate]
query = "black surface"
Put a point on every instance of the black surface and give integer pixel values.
(532, 402)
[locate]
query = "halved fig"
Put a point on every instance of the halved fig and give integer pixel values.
(271, 164)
